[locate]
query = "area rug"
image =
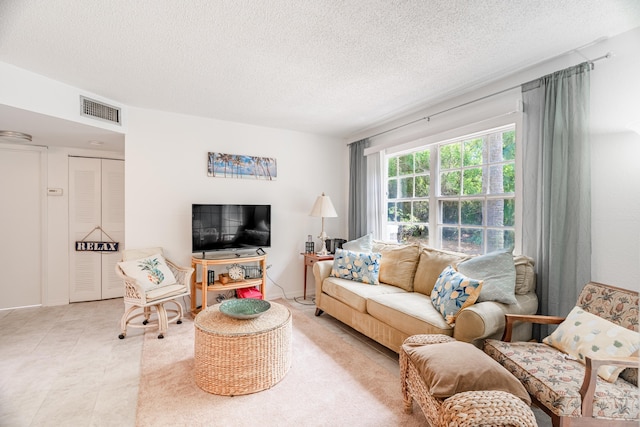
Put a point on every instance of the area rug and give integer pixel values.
(330, 383)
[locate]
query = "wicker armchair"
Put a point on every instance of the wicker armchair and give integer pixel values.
(143, 301)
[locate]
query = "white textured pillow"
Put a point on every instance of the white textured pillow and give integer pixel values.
(498, 272)
(585, 334)
(363, 244)
(151, 272)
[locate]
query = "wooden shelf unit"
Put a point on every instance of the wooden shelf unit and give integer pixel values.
(205, 263)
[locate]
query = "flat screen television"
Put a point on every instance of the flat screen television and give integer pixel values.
(230, 227)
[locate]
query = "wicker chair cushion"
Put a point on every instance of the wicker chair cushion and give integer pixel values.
(165, 291)
(555, 381)
(151, 272)
(455, 367)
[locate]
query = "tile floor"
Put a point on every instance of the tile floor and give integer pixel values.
(65, 366)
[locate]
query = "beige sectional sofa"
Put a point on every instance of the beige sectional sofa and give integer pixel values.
(400, 305)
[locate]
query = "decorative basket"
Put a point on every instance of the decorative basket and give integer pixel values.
(252, 272)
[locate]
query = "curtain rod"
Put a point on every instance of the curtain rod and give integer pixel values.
(428, 118)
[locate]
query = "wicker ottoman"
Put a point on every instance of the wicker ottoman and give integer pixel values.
(469, 408)
(235, 357)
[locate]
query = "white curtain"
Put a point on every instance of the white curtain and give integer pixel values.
(556, 186)
(375, 190)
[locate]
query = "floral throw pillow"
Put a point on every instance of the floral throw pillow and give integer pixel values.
(151, 272)
(585, 334)
(454, 291)
(357, 266)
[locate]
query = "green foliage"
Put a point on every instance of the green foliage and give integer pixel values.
(392, 188)
(473, 152)
(421, 211)
(391, 212)
(404, 212)
(406, 187)
(471, 212)
(509, 178)
(450, 183)
(392, 167)
(450, 156)
(405, 164)
(509, 212)
(422, 186)
(413, 233)
(472, 181)
(509, 145)
(422, 161)
(450, 213)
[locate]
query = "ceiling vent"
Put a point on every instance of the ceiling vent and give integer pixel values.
(98, 110)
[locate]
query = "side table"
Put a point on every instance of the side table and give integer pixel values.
(235, 357)
(309, 260)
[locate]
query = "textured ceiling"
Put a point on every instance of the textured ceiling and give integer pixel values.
(325, 66)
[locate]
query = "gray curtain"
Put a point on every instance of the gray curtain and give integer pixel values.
(357, 189)
(556, 187)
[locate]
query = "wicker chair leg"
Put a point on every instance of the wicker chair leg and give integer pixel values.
(163, 321)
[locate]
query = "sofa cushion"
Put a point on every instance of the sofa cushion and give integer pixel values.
(453, 292)
(431, 262)
(359, 266)
(362, 244)
(498, 272)
(525, 275)
(585, 334)
(398, 264)
(355, 294)
(455, 367)
(555, 381)
(409, 312)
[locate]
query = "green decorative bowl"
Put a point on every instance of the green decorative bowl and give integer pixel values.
(246, 308)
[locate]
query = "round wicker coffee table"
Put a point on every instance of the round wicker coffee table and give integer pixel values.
(235, 357)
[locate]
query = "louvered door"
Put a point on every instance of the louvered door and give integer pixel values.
(96, 198)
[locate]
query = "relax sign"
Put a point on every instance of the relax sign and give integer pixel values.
(85, 246)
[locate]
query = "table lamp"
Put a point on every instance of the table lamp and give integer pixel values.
(324, 209)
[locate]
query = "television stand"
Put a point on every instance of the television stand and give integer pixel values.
(203, 286)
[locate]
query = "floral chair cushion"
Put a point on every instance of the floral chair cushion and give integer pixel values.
(555, 381)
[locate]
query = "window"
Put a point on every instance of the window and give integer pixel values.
(457, 195)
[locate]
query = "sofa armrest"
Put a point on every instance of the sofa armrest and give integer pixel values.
(321, 271)
(591, 374)
(510, 319)
(478, 321)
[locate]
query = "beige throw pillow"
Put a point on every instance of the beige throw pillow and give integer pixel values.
(430, 265)
(454, 367)
(398, 264)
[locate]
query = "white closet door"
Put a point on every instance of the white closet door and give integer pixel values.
(21, 213)
(112, 224)
(85, 213)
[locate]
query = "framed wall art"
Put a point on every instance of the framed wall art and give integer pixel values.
(221, 165)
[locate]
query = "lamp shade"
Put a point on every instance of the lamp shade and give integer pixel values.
(323, 207)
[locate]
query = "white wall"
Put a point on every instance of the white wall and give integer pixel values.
(615, 90)
(166, 171)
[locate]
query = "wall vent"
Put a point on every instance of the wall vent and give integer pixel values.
(98, 110)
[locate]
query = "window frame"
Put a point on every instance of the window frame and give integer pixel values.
(461, 134)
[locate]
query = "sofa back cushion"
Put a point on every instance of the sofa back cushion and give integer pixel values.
(398, 264)
(525, 275)
(430, 265)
